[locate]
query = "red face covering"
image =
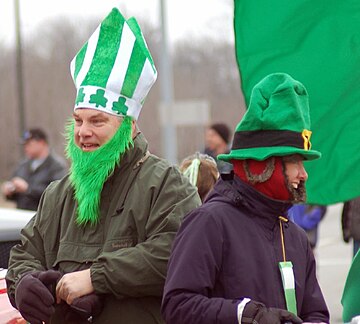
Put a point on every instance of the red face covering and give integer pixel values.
(275, 187)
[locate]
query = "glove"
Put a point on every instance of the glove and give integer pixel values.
(33, 295)
(255, 312)
(82, 308)
(88, 305)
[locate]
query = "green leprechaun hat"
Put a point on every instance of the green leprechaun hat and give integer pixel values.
(114, 71)
(276, 123)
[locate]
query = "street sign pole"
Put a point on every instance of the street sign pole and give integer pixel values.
(19, 72)
(169, 140)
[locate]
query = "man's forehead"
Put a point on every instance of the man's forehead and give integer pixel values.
(293, 158)
(89, 113)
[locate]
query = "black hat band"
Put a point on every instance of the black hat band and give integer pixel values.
(268, 138)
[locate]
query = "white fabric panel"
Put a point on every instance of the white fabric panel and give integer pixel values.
(117, 75)
(92, 43)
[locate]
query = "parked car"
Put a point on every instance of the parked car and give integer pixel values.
(11, 223)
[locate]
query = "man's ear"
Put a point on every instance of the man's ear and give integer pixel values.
(133, 128)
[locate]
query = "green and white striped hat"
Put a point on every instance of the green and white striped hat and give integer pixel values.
(114, 71)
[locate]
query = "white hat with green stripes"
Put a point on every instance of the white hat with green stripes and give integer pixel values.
(114, 71)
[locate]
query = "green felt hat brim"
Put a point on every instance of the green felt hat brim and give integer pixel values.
(262, 153)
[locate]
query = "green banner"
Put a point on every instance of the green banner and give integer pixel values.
(317, 43)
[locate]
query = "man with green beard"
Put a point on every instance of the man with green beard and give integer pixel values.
(99, 244)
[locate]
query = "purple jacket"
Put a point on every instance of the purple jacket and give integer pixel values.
(228, 249)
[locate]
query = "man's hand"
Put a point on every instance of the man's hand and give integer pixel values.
(20, 184)
(8, 189)
(73, 285)
(33, 296)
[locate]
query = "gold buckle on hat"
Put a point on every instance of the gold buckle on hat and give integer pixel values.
(306, 134)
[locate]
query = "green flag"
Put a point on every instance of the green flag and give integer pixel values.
(317, 43)
(351, 293)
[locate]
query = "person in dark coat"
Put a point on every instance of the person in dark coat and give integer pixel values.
(351, 230)
(35, 173)
(237, 258)
(350, 223)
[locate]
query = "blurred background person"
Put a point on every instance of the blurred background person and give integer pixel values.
(217, 141)
(308, 218)
(350, 221)
(201, 169)
(35, 173)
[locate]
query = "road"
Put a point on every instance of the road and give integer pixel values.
(333, 261)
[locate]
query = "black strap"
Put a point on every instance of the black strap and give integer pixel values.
(266, 138)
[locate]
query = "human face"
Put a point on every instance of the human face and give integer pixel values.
(213, 140)
(93, 128)
(33, 148)
(294, 169)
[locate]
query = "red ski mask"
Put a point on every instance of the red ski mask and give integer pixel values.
(268, 177)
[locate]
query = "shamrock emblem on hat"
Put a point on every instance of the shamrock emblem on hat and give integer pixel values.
(120, 107)
(98, 99)
(80, 96)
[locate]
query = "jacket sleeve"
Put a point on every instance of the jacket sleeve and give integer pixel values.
(141, 270)
(35, 190)
(305, 217)
(313, 308)
(194, 265)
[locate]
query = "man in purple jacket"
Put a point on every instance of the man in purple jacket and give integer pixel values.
(237, 258)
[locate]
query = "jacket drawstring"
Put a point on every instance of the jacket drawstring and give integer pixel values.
(282, 219)
(287, 273)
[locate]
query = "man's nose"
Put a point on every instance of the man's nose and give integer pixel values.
(84, 130)
(302, 172)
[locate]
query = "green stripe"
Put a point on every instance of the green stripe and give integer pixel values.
(133, 72)
(79, 60)
(106, 50)
(290, 298)
(135, 28)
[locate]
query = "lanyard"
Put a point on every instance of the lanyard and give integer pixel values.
(287, 274)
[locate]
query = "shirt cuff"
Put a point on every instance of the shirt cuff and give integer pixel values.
(241, 307)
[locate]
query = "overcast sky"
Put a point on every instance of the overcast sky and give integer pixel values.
(195, 18)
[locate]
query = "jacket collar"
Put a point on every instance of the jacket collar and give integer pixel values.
(243, 196)
(135, 153)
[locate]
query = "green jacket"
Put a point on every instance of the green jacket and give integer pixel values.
(141, 208)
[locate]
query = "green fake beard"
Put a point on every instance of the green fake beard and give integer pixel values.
(89, 170)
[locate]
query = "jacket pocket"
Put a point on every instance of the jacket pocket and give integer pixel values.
(120, 242)
(75, 256)
(120, 231)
